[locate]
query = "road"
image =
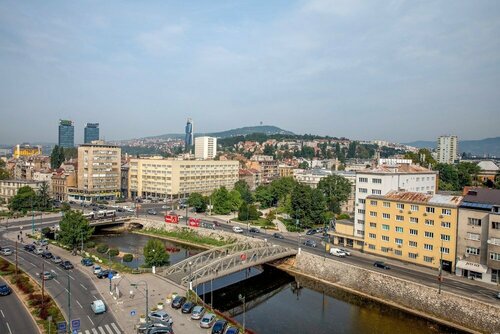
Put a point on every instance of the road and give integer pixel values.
(14, 317)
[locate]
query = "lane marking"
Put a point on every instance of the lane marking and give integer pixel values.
(79, 303)
(94, 331)
(55, 279)
(87, 332)
(83, 286)
(91, 321)
(8, 327)
(100, 330)
(34, 265)
(115, 328)
(108, 329)
(71, 277)
(3, 315)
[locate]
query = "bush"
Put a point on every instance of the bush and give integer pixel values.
(343, 216)
(102, 248)
(128, 258)
(90, 244)
(113, 252)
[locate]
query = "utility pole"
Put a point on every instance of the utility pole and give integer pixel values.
(32, 217)
(69, 306)
(440, 277)
(43, 282)
(242, 299)
(16, 260)
(147, 296)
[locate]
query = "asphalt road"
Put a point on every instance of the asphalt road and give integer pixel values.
(14, 318)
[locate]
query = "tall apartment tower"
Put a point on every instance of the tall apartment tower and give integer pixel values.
(205, 147)
(447, 147)
(189, 133)
(66, 133)
(91, 133)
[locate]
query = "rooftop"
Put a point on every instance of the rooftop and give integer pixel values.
(424, 198)
(398, 169)
(482, 196)
(488, 165)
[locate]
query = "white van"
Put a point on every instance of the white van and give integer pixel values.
(337, 252)
(98, 306)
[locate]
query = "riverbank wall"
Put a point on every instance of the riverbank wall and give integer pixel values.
(447, 308)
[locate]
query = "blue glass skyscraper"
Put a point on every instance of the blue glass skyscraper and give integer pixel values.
(91, 132)
(189, 133)
(66, 133)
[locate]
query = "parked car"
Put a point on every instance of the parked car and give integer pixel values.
(152, 212)
(208, 225)
(498, 295)
(46, 275)
(178, 302)
(380, 264)
(237, 229)
(29, 247)
(278, 235)
(105, 273)
(198, 312)
(47, 255)
(188, 307)
(346, 251)
(215, 222)
(219, 327)
(160, 330)
(233, 330)
(38, 251)
(207, 320)
(161, 316)
(147, 328)
(6, 251)
(5, 290)
(43, 242)
(310, 243)
(337, 252)
(98, 306)
(87, 262)
(66, 265)
(254, 230)
(311, 232)
(96, 269)
(56, 259)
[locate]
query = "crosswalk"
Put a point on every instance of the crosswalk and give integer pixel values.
(104, 329)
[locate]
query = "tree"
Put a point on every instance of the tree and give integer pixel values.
(155, 253)
(448, 177)
(244, 190)
(4, 173)
(57, 157)
(317, 208)
(198, 202)
(248, 212)
(235, 200)
(221, 201)
(24, 200)
(304, 165)
(264, 196)
(351, 151)
(336, 189)
(74, 229)
(301, 203)
(43, 197)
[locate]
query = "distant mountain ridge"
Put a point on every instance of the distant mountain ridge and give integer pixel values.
(487, 146)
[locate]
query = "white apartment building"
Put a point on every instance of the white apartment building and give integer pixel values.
(447, 148)
(169, 178)
(205, 148)
(386, 178)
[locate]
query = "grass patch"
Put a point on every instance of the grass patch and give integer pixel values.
(189, 235)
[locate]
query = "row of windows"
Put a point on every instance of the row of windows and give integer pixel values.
(427, 234)
(413, 220)
(400, 253)
(365, 180)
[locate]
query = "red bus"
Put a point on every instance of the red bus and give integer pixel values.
(172, 218)
(194, 222)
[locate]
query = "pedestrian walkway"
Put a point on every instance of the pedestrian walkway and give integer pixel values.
(105, 329)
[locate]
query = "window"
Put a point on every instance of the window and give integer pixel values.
(429, 234)
(362, 211)
(361, 201)
(385, 238)
(495, 256)
(387, 204)
(361, 221)
(385, 227)
(446, 212)
(398, 252)
(495, 225)
(428, 259)
(384, 249)
(398, 241)
(363, 190)
(428, 247)
(412, 243)
(373, 236)
(445, 237)
(377, 181)
(400, 206)
(412, 255)
(370, 246)
(429, 209)
(373, 203)
(472, 250)
(373, 214)
(373, 225)
(429, 222)
(360, 232)
(473, 236)
(445, 250)
(400, 218)
(399, 229)
(413, 232)
(413, 220)
(376, 192)
(474, 222)
(414, 207)
(446, 224)
(386, 216)
(363, 179)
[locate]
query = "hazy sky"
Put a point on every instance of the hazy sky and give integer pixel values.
(396, 70)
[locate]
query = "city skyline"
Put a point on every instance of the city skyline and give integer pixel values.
(400, 72)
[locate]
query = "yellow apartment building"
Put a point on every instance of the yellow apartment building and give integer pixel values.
(413, 227)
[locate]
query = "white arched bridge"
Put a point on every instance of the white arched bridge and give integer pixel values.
(224, 260)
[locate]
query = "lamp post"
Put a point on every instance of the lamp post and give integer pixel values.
(147, 300)
(32, 217)
(440, 277)
(242, 299)
(190, 276)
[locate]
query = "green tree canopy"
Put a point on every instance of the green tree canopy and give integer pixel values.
(4, 173)
(57, 157)
(248, 212)
(336, 189)
(155, 253)
(264, 196)
(43, 197)
(74, 229)
(244, 190)
(222, 204)
(24, 200)
(198, 202)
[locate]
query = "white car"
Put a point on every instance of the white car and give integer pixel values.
(237, 229)
(337, 252)
(97, 269)
(98, 306)
(38, 251)
(6, 251)
(346, 252)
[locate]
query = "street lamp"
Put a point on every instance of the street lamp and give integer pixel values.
(147, 293)
(190, 276)
(440, 277)
(242, 299)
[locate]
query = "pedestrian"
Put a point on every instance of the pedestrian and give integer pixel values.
(18, 237)
(47, 247)
(21, 239)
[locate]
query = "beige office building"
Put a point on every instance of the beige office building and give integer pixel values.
(169, 178)
(205, 147)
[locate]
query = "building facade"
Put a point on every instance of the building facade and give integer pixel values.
(91, 133)
(413, 227)
(252, 177)
(205, 147)
(387, 178)
(26, 151)
(188, 139)
(9, 188)
(66, 133)
(447, 149)
(169, 178)
(62, 180)
(478, 248)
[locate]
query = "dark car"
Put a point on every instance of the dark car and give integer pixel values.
(380, 264)
(152, 212)
(47, 255)
(160, 330)
(311, 232)
(216, 223)
(254, 230)
(29, 247)
(87, 262)
(66, 265)
(188, 307)
(310, 243)
(278, 236)
(233, 330)
(178, 302)
(219, 327)
(5, 290)
(105, 273)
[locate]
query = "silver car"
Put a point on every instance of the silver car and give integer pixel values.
(208, 320)
(198, 312)
(160, 316)
(56, 259)
(6, 251)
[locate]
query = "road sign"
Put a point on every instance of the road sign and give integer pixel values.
(75, 324)
(132, 313)
(61, 327)
(75, 331)
(110, 275)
